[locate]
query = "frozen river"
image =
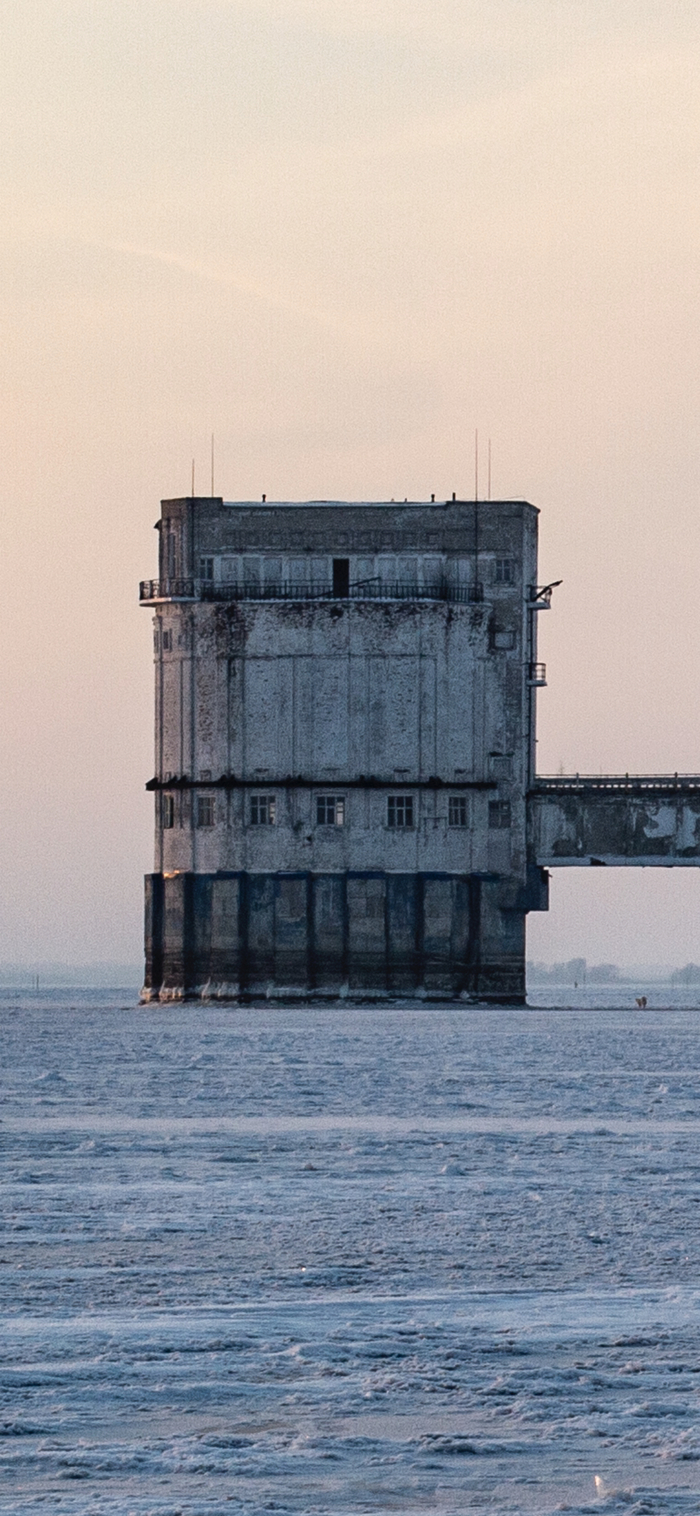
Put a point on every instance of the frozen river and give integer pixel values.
(315, 1261)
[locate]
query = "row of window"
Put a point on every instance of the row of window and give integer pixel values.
(330, 811)
(274, 569)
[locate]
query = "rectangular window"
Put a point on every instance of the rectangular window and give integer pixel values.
(262, 810)
(503, 641)
(206, 569)
(168, 810)
(167, 642)
(400, 810)
(330, 810)
(205, 810)
(458, 810)
(504, 571)
(499, 814)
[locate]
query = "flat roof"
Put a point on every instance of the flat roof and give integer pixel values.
(367, 504)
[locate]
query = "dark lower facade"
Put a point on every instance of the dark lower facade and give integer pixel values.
(365, 936)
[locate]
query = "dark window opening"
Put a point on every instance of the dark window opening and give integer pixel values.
(458, 810)
(168, 811)
(262, 810)
(341, 577)
(207, 569)
(499, 814)
(504, 571)
(330, 810)
(205, 810)
(400, 810)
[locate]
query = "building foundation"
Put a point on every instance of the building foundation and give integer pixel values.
(361, 936)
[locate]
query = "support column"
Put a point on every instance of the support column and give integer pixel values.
(153, 936)
(500, 972)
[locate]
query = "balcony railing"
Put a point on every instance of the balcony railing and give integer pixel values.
(539, 596)
(153, 590)
(537, 675)
(167, 589)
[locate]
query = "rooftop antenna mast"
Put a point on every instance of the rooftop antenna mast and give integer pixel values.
(212, 465)
(489, 482)
(477, 587)
(193, 478)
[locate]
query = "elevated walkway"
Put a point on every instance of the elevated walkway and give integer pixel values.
(644, 821)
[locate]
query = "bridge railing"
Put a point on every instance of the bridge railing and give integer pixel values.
(632, 784)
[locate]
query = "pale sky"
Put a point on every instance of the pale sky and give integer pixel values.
(341, 236)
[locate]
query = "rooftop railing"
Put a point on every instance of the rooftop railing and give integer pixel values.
(154, 590)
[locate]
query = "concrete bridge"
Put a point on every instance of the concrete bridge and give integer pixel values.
(648, 821)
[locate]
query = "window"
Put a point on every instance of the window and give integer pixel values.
(167, 811)
(458, 810)
(330, 810)
(205, 810)
(503, 640)
(504, 571)
(167, 642)
(172, 553)
(262, 810)
(273, 570)
(341, 577)
(499, 814)
(206, 569)
(400, 810)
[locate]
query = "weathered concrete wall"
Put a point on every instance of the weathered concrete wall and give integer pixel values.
(298, 541)
(339, 695)
(644, 822)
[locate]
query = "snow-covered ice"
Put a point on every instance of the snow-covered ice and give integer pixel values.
(320, 1260)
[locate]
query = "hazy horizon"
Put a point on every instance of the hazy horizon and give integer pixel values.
(341, 237)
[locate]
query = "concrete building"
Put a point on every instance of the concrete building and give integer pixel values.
(345, 787)
(345, 728)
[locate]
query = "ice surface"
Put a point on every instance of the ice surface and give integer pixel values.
(315, 1261)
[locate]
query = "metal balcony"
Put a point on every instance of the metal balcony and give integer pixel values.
(539, 596)
(155, 591)
(537, 675)
(152, 591)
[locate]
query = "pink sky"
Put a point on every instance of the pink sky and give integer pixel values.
(342, 235)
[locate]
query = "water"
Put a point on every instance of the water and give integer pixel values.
(315, 1261)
